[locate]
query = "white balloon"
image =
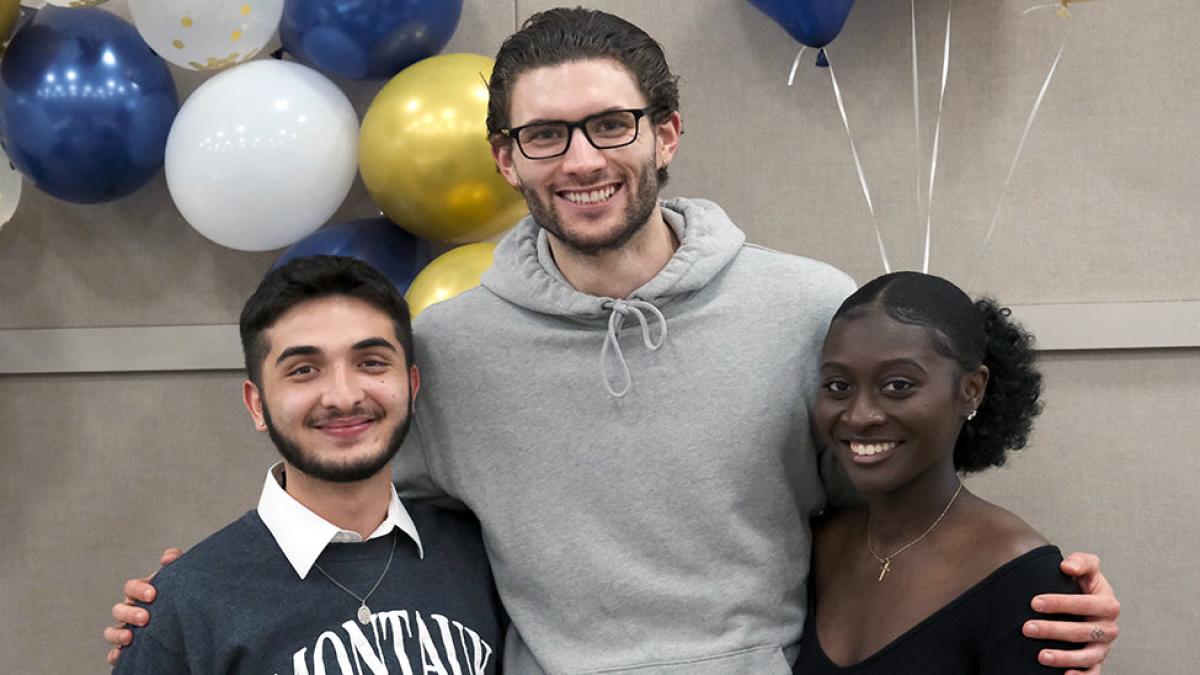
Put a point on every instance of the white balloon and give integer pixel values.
(261, 155)
(10, 189)
(206, 34)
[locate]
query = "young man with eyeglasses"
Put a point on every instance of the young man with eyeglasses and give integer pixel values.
(623, 400)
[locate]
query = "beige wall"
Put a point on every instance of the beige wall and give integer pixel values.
(103, 471)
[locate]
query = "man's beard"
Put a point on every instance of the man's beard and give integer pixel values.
(642, 200)
(310, 465)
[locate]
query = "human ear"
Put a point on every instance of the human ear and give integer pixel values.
(666, 135)
(502, 153)
(252, 398)
(414, 382)
(974, 386)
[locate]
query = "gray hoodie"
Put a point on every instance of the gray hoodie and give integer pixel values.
(643, 467)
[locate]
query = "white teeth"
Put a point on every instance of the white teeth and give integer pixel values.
(871, 448)
(590, 197)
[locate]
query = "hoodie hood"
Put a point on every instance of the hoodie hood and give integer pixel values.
(524, 272)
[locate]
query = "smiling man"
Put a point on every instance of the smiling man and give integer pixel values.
(331, 572)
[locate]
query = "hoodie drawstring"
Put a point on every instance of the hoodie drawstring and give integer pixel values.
(620, 310)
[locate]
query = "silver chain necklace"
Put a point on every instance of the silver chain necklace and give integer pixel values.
(364, 612)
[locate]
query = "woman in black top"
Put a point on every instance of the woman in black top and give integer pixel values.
(918, 386)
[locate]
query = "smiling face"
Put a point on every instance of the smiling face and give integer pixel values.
(590, 200)
(890, 405)
(335, 391)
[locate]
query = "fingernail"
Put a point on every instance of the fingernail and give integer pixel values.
(1032, 628)
(148, 596)
(1046, 658)
(142, 618)
(1039, 605)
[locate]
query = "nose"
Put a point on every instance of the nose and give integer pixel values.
(343, 391)
(582, 158)
(863, 411)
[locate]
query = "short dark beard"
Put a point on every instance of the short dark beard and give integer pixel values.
(642, 201)
(294, 455)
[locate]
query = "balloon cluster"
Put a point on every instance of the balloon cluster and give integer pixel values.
(261, 155)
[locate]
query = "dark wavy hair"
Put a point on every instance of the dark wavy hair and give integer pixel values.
(563, 35)
(311, 278)
(972, 334)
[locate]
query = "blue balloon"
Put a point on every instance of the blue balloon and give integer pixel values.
(366, 40)
(85, 105)
(810, 22)
(376, 241)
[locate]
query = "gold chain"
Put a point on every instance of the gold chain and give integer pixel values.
(885, 562)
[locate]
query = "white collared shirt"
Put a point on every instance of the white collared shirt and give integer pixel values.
(302, 535)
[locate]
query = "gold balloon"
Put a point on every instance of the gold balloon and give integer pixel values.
(424, 155)
(10, 11)
(449, 274)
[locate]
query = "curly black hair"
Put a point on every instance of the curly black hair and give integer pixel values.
(1012, 400)
(973, 334)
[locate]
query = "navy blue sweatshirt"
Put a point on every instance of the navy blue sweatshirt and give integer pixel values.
(233, 604)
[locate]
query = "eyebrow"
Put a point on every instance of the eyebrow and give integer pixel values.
(373, 342)
(903, 362)
(309, 350)
(301, 350)
(542, 120)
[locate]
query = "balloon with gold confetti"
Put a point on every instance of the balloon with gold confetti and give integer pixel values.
(451, 273)
(206, 34)
(425, 157)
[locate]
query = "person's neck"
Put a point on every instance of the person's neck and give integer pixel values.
(899, 516)
(358, 507)
(619, 272)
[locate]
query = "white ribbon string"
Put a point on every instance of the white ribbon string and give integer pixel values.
(916, 79)
(937, 138)
(1037, 104)
(1037, 7)
(862, 177)
(796, 64)
(1064, 7)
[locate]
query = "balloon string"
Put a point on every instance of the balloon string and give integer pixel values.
(1044, 6)
(1037, 104)
(937, 139)
(862, 178)
(1062, 5)
(916, 96)
(795, 65)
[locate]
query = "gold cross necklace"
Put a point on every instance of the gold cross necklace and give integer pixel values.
(885, 562)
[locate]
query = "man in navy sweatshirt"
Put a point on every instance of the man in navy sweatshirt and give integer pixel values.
(331, 572)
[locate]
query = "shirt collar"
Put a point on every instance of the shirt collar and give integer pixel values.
(302, 535)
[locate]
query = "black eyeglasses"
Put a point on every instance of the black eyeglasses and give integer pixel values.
(604, 130)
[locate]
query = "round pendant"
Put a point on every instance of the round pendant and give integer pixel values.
(364, 615)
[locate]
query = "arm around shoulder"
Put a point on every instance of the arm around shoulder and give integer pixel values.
(1005, 650)
(148, 655)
